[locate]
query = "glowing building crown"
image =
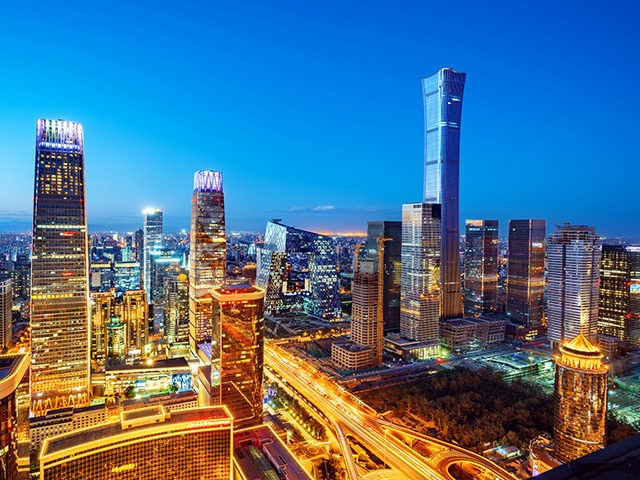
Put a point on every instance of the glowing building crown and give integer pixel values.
(207, 181)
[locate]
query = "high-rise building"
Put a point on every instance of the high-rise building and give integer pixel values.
(146, 444)
(442, 94)
(207, 258)
(619, 304)
(152, 241)
(480, 267)
(573, 266)
(176, 310)
(525, 272)
(238, 352)
(580, 400)
(102, 309)
(14, 413)
(138, 245)
(391, 230)
(420, 295)
(6, 304)
(318, 292)
(366, 318)
(59, 276)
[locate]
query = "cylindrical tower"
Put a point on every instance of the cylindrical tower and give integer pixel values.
(580, 400)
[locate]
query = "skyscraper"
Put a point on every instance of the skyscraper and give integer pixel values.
(319, 293)
(420, 294)
(392, 267)
(480, 267)
(6, 303)
(207, 258)
(59, 275)
(366, 318)
(573, 265)
(619, 305)
(442, 94)
(580, 400)
(152, 238)
(176, 310)
(14, 417)
(238, 335)
(525, 272)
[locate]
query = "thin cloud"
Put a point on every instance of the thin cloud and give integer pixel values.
(324, 208)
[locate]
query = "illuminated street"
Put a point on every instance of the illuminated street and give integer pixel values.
(357, 419)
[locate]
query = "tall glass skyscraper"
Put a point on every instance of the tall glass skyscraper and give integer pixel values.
(525, 272)
(573, 266)
(420, 294)
(59, 275)
(208, 255)
(442, 94)
(480, 267)
(152, 243)
(236, 381)
(320, 296)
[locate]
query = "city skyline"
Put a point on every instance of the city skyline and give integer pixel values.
(366, 112)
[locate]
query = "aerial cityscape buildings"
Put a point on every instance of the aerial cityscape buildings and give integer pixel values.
(59, 270)
(442, 94)
(196, 353)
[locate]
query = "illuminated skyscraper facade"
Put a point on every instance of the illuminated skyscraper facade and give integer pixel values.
(152, 241)
(238, 335)
(6, 303)
(525, 272)
(176, 310)
(480, 267)
(580, 400)
(442, 94)
(573, 266)
(320, 296)
(619, 304)
(391, 230)
(207, 258)
(366, 318)
(59, 275)
(420, 295)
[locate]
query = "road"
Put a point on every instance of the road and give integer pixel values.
(363, 423)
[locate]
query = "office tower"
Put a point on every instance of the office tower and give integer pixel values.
(146, 444)
(573, 267)
(207, 257)
(525, 272)
(59, 270)
(176, 310)
(238, 335)
(311, 285)
(392, 268)
(442, 93)
(14, 412)
(6, 303)
(126, 276)
(102, 309)
(132, 313)
(116, 340)
(580, 400)
(21, 277)
(480, 267)
(133, 310)
(138, 246)
(366, 317)
(152, 241)
(619, 305)
(420, 294)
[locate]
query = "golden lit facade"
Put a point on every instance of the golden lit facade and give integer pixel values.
(146, 444)
(208, 254)
(14, 412)
(480, 267)
(580, 400)
(59, 278)
(236, 381)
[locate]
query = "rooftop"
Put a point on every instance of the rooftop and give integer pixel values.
(114, 433)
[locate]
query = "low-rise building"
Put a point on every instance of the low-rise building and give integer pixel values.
(352, 356)
(461, 333)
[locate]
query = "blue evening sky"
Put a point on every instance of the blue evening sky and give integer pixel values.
(313, 110)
